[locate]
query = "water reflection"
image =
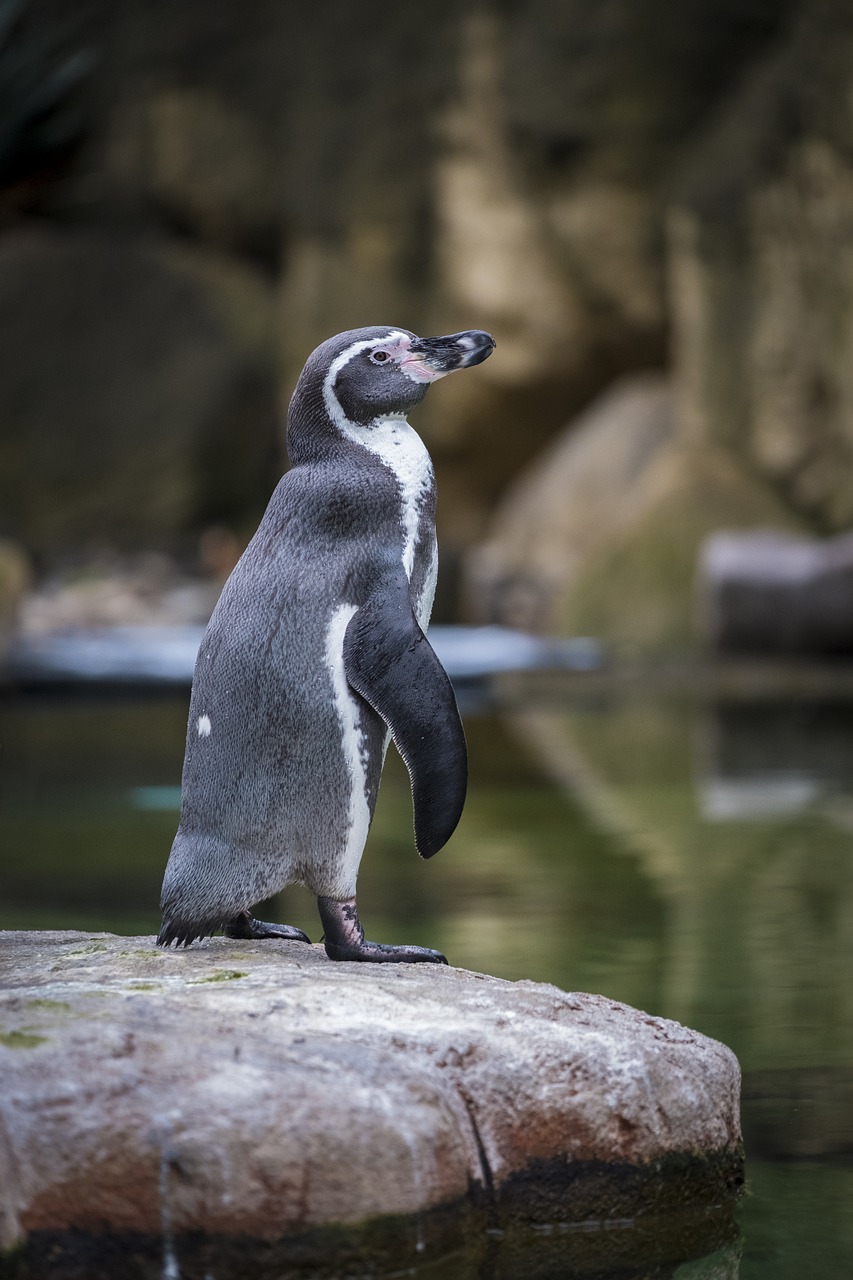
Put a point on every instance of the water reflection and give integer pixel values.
(692, 858)
(757, 903)
(765, 760)
(740, 815)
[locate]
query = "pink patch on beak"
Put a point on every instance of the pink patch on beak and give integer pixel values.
(413, 367)
(419, 371)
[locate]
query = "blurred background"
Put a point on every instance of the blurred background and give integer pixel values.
(650, 205)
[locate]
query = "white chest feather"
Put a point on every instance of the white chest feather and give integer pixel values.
(404, 453)
(398, 446)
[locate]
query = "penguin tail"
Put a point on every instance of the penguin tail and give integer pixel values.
(182, 932)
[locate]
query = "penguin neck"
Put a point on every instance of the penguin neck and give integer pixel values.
(320, 432)
(315, 435)
(311, 436)
(396, 445)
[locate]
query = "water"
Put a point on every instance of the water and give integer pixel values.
(690, 856)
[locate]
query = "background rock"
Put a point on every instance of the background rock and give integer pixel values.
(761, 243)
(770, 594)
(600, 536)
(248, 1090)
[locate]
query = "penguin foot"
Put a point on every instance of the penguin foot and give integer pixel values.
(344, 939)
(246, 926)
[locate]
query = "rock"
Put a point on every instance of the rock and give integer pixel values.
(509, 167)
(565, 270)
(592, 282)
(605, 194)
(770, 593)
(762, 271)
(569, 502)
(600, 536)
(255, 1092)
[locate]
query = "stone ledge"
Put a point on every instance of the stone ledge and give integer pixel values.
(257, 1092)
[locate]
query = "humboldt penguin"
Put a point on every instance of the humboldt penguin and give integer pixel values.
(316, 655)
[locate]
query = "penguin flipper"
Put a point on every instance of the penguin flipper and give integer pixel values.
(391, 664)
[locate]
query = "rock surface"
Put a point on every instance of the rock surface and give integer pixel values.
(258, 1090)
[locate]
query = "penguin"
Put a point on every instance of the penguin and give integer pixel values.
(316, 656)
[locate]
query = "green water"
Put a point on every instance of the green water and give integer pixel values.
(691, 858)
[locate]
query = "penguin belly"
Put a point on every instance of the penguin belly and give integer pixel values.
(282, 764)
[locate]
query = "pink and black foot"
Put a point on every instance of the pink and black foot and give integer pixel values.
(344, 939)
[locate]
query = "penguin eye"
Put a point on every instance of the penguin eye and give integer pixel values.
(379, 357)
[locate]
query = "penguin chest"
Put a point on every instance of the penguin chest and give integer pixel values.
(405, 455)
(403, 452)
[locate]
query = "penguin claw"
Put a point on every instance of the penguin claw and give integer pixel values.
(383, 953)
(246, 926)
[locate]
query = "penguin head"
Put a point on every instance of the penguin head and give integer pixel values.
(371, 374)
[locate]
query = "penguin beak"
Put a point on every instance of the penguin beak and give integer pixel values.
(439, 356)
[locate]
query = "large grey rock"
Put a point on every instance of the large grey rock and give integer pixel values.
(256, 1090)
(569, 502)
(599, 536)
(768, 592)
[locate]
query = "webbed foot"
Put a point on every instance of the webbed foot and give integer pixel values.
(344, 939)
(246, 926)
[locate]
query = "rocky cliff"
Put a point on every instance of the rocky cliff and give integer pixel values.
(607, 190)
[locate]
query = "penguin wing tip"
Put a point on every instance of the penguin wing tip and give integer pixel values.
(435, 822)
(429, 843)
